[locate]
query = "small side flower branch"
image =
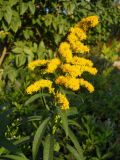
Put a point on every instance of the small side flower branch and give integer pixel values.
(68, 66)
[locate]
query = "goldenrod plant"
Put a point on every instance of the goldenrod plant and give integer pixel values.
(63, 72)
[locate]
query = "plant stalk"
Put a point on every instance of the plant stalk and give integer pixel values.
(3, 55)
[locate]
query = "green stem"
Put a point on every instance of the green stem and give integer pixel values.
(3, 55)
(44, 102)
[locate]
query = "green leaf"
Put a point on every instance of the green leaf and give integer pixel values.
(61, 29)
(48, 20)
(4, 26)
(1, 15)
(29, 119)
(48, 148)
(23, 8)
(36, 96)
(13, 2)
(76, 143)
(74, 152)
(15, 157)
(72, 111)
(38, 137)
(41, 46)
(107, 155)
(22, 140)
(73, 123)
(8, 14)
(17, 50)
(64, 119)
(15, 22)
(34, 118)
(20, 60)
(32, 7)
(12, 74)
(28, 51)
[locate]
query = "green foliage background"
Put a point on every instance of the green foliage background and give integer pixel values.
(33, 29)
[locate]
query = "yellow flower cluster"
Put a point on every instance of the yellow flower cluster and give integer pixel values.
(65, 51)
(73, 70)
(77, 70)
(74, 83)
(87, 85)
(76, 35)
(53, 65)
(78, 32)
(81, 61)
(70, 66)
(32, 65)
(62, 101)
(88, 22)
(68, 82)
(79, 47)
(38, 85)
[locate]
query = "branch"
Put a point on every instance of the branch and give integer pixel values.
(3, 55)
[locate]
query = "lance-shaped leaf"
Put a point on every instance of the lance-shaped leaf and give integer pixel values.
(38, 137)
(48, 148)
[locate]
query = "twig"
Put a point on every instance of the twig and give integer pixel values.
(3, 55)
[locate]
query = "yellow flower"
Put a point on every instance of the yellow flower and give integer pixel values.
(52, 65)
(68, 82)
(86, 84)
(38, 85)
(79, 47)
(88, 22)
(32, 65)
(65, 51)
(62, 100)
(72, 38)
(73, 70)
(81, 61)
(77, 70)
(91, 70)
(80, 33)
